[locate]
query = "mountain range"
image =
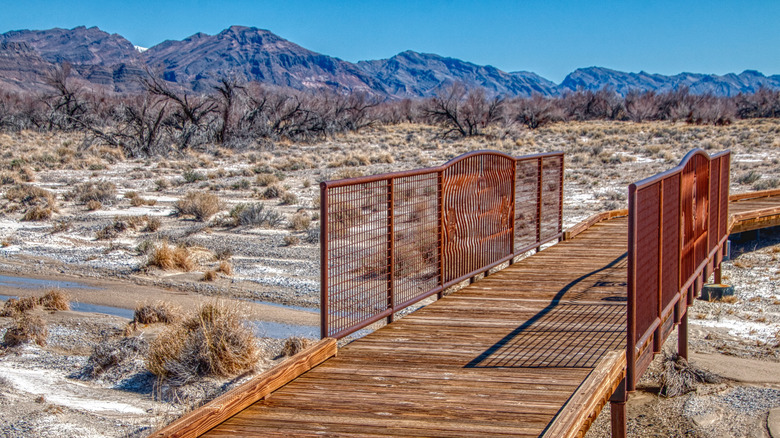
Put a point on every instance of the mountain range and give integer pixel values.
(247, 54)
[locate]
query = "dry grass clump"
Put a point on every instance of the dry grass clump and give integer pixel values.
(300, 221)
(209, 275)
(679, 377)
(167, 258)
(201, 205)
(37, 213)
(294, 345)
(16, 306)
(103, 192)
(27, 328)
(55, 300)
(212, 342)
(266, 179)
(225, 267)
(158, 312)
(52, 300)
(40, 203)
(94, 205)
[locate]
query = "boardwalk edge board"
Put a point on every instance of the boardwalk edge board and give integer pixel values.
(582, 408)
(591, 221)
(213, 413)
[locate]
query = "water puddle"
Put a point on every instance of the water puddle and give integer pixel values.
(34, 283)
(267, 329)
(277, 330)
(285, 306)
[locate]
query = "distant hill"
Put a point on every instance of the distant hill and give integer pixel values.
(250, 54)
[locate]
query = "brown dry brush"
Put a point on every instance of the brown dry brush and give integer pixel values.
(294, 345)
(168, 258)
(26, 328)
(679, 377)
(52, 300)
(213, 341)
(158, 312)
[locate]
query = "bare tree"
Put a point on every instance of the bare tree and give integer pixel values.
(189, 117)
(464, 112)
(67, 108)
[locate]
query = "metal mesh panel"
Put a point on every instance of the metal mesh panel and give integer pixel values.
(647, 257)
(724, 194)
(526, 196)
(714, 204)
(357, 253)
(551, 193)
(416, 236)
(670, 276)
(477, 213)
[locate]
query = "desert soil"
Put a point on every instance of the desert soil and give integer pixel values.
(275, 269)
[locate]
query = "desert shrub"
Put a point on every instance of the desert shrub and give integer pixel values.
(107, 355)
(291, 240)
(273, 191)
(166, 258)
(16, 306)
(209, 275)
(749, 177)
(766, 184)
(111, 231)
(300, 222)
(28, 195)
(61, 225)
(678, 377)
(55, 300)
(201, 205)
(94, 205)
(266, 179)
(192, 176)
(153, 224)
(255, 215)
(26, 328)
(294, 345)
(102, 191)
(37, 213)
(212, 342)
(158, 312)
(312, 235)
(288, 198)
(225, 268)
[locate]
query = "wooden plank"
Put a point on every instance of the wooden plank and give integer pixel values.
(583, 407)
(753, 195)
(592, 220)
(204, 418)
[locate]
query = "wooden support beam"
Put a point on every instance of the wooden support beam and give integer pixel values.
(201, 420)
(617, 407)
(682, 336)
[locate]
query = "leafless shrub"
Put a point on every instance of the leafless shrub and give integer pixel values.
(462, 111)
(209, 275)
(158, 312)
(225, 268)
(294, 345)
(110, 354)
(291, 240)
(212, 342)
(256, 215)
(201, 205)
(679, 377)
(37, 213)
(16, 306)
(300, 221)
(26, 328)
(103, 192)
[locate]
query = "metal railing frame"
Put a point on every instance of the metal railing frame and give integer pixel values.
(701, 215)
(443, 283)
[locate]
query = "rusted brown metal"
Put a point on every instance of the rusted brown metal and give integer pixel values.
(390, 240)
(676, 233)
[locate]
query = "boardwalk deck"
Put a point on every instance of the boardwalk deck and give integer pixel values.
(499, 357)
(532, 350)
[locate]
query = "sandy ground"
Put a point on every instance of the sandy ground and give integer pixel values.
(275, 269)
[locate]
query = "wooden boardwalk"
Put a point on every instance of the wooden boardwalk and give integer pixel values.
(500, 357)
(535, 349)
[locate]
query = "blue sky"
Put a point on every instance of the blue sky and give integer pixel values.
(551, 38)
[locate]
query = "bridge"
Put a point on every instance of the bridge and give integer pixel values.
(535, 328)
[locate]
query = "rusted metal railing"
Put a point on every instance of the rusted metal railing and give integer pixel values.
(676, 233)
(391, 240)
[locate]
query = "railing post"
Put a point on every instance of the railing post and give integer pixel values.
(682, 336)
(323, 260)
(440, 209)
(390, 251)
(512, 213)
(540, 170)
(560, 202)
(631, 292)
